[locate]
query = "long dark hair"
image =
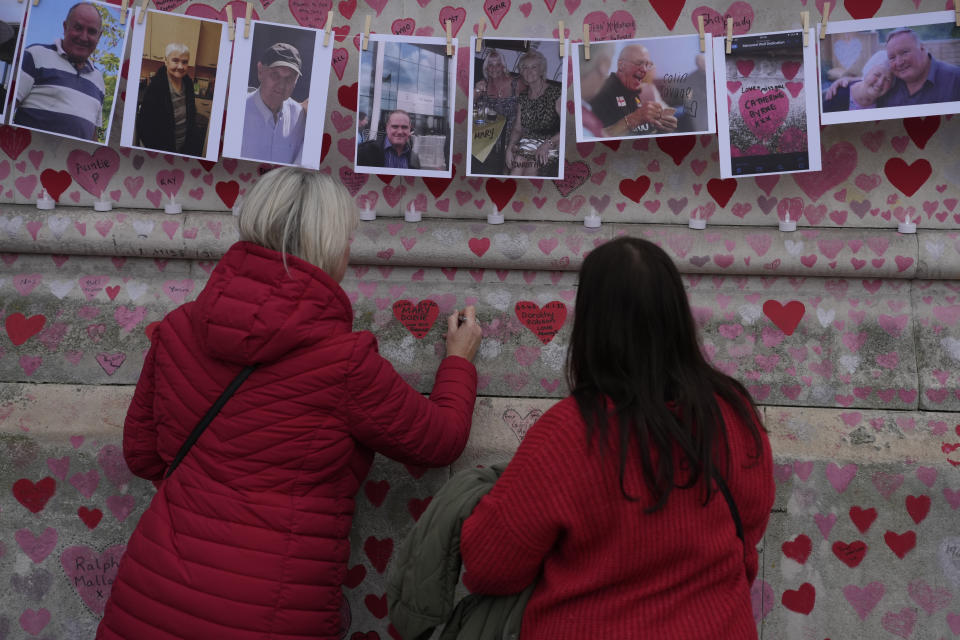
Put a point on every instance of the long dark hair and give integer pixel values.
(634, 355)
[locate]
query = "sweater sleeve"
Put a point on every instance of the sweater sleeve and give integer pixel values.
(507, 537)
(391, 417)
(140, 428)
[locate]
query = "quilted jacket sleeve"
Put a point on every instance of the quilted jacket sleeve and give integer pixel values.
(389, 416)
(140, 429)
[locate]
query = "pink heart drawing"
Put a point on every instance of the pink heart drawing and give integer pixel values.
(92, 573)
(110, 458)
(93, 172)
(574, 175)
(716, 24)
(170, 181)
(619, 25)
(764, 110)
(110, 362)
(38, 547)
(839, 161)
(520, 424)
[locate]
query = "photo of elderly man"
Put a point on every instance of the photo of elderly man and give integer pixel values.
(274, 123)
(62, 87)
(919, 77)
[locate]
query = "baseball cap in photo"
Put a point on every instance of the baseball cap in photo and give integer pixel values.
(282, 54)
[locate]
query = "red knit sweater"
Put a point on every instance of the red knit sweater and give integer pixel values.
(604, 569)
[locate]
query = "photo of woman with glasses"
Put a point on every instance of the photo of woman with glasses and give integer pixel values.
(657, 86)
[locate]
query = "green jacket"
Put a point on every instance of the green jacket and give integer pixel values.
(425, 572)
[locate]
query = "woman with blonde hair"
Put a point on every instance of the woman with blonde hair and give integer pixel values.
(533, 149)
(166, 119)
(496, 94)
(248, 537)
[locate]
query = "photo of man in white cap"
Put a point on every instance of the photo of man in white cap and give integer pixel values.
(274, 123)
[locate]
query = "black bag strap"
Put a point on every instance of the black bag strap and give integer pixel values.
(208, 418)
(725, 490)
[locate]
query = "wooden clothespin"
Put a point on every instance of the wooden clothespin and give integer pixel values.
(327, 28)
(586, 41)
(231, 24)
(365, 38)
(703, 34)
(480, 29)
(143, 11)
(729, 35)
(246, 24)
(956, 8)
(123, 12)
(449, 26)
(825, 20)
(563, 39)
(805, 20)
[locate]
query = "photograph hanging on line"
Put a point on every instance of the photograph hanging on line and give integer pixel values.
(517, 109)
(177, 86)
(68, 71)
(11, 26)
(405, 107)
(767, 117)
(892, 67)
(643, 88)
(276, 102)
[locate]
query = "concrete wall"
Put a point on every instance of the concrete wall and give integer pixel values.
(847, 333)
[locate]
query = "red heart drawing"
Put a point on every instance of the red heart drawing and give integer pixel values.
(438, 185)
(339, 60)
(403, 27)
(310, 13)
(347, 7)
(376, 492)
(456, 16)
(785, 317)
(20, 328)
(764, 111)
(798, 549)
(677, 147)
(14, 140)
(355, 576)
(377, 5)
(634, 189)
(721, 190)
(417, 319)
(496, 10)
(353, 181)
(850, 554)
(668, 10)
(34, 496)
(839, 162)
(900, 544)
(619, 25)
(376, 605)
(861, 9)
(416, 506)
(800, 600)
(500, 191)
(862, 518)
(908, 178)
(228, 192)
(347, 96)
(574, 175)
(90, 517)
(716, 24)
(543, 322)
(479, 246)
(918, 507)
(55, 182)
(921, 129)
(378, 552)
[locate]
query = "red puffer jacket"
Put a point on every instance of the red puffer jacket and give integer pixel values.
(249, 536)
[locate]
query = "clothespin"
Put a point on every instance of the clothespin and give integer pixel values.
(729, 35)
(703, 34)
(123, 12)
(327, 28)
(246, 24)
(586, 41)
(956, 8)
(231, 25)
(36, 2)
(365, 38)
(143, 11)
(563, 39)
(825, 20)
(805, 20)
(449, 25)
(480, 29)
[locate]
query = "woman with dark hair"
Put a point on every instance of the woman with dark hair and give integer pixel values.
(167, 117)
(615, 502)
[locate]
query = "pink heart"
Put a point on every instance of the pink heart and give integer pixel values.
(91, 572)
(170, 181)
(764, 111)
(339, 61)
(839, 162)
(39, 547)
(716, 24)
(619, 25)
(120, 506)
(457, 16)
(93, 172)
(496, 10)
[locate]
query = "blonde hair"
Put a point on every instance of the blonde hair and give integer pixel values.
(301, 213)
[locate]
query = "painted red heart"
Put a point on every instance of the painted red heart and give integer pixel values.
(377, 605)
(355, 576)
(500, 191)
(798, 549)
(862, 518)
(839, 162)
(479, 246)
(403, 27)
(908, 178)
(721, 190)
(496, 10)
(668, 10)
(55, 182)
(677, 147)
(34, 496)
(764, 111)
(920, 130)
(90, 517)
(228, 192)
(347, 7)
(376, 491)
(900, 543)
(918, 507)
(201, 10)
(310, 13)
(861, 9)
(325, 146)
(457, 16)
(850, 554)
(347, 96)
(634, 189)
(21, 328)
(543, 322)
(785, 317)
(800, 600)
(416, 507)
(150, 328)
(438, 185)
(716, 24)
(574, 175)
(14, 140)
(378, 552)
(419, 318)
(338, 61)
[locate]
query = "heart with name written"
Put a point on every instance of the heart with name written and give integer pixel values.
(520, 424)
(92, 573)
(419, 318)
(544, 322)
(93, 172)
